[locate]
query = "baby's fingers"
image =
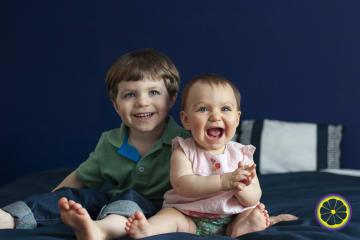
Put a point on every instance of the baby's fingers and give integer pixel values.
(241, 174)
(240, 178)
(251, 167)
(240, 186)
(240, 164)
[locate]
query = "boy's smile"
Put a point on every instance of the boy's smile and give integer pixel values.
(143, 105)
(212, 115)
(144, 116)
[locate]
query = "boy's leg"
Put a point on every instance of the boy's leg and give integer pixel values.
(111, 220)
(77, 217)
(165, 221)
(6, 220)
(42, 209)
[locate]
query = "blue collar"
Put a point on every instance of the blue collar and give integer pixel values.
(129, 151)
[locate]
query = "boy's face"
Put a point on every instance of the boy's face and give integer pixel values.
(212, 116)
(143, 105)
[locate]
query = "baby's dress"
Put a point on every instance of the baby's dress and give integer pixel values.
(220, 204)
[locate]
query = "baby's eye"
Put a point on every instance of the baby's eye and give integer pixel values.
(154, 92)
(129, 95)
(226, 109)
(202, 109)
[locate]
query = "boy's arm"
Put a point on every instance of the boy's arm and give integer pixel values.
(70, 181)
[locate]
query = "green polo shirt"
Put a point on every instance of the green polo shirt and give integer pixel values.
(148, 175)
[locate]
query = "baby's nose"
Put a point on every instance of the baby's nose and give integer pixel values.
(215, 116)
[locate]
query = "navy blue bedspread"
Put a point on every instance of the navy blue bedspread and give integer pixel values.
(295, 193)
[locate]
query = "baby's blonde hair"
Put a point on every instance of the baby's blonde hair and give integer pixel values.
(210, 79)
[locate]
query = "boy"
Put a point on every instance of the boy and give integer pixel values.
(143, 86)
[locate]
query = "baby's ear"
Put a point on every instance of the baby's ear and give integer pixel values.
(238, 117)
(185, 120)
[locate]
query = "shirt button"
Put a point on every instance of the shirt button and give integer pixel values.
(141, 169)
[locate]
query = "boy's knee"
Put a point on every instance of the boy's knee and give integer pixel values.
(120, 207)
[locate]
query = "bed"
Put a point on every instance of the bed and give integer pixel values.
(288, 186)
(296, 193)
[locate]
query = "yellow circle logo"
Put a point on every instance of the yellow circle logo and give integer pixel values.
(333, 212)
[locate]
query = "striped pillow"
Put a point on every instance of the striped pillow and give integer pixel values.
(283, 147)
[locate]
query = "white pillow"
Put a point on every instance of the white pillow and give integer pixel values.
(283, 147)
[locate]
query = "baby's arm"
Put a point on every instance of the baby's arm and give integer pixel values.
(250, 194)
(70, 181)
(185, 182)
(188, 184)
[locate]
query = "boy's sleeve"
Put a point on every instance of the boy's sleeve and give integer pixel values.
(89, 172)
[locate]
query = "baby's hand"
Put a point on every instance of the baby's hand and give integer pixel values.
(252, 170)
(237, 179)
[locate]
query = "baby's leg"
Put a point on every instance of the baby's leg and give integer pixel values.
(77, 217)
(252, 220)
(165, 221)
(6, 220)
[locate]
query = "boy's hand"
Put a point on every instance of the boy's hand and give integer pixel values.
(237, 179)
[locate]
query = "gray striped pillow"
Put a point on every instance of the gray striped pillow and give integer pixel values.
(283, 146)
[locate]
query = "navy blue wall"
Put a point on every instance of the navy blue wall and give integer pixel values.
(292, 60)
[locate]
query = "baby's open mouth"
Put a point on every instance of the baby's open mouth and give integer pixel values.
(215, 132)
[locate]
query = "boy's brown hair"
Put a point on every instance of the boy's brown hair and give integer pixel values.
(210, 79)
(135, 66)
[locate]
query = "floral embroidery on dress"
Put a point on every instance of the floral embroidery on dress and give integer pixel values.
(215, 165)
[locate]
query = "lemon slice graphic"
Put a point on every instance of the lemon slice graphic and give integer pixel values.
(333, 212)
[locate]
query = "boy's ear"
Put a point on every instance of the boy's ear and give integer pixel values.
(115, 106)
(185, 120)
(172, 101)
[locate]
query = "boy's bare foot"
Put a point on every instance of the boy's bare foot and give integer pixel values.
(6, 220)
(256, 219)
(77, 217)
(138, 226)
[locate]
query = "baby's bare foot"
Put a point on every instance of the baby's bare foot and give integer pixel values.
(257, 220)
(282, 218)
(6, 220)
(261, 207)
(138, 226)
(77, 217)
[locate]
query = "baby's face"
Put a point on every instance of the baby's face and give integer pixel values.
(212, 116)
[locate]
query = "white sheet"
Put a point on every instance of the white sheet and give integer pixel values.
(349, 172)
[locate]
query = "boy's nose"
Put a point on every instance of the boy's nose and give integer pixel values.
(142, 101)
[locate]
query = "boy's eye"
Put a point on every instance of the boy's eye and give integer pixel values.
(129, 95)
(154, 92)
(202, 109)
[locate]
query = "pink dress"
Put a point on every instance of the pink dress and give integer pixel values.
(220, 204)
